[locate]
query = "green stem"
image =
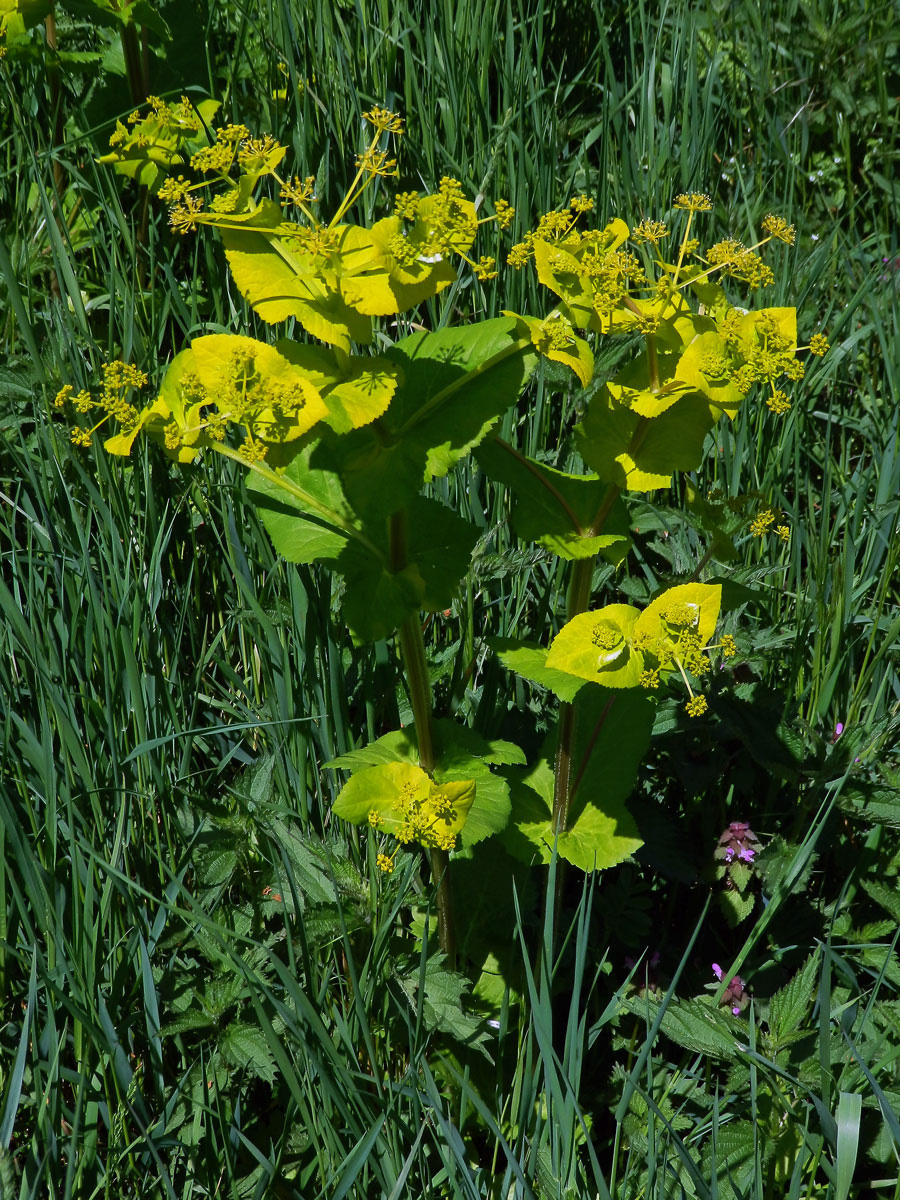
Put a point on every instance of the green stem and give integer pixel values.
(412, 650)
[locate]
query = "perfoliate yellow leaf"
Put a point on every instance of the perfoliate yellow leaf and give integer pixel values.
(255, 385)
(695, 605)
(598, 646)
(699, 368)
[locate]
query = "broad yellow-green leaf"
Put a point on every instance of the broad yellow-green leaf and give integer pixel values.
(556, 509)
(598, 646)
(693, 604)
(785, 319)
(639, 454)
(356, 391)
(280, 280)
(177, 406)
(558, 269)
(17, 16)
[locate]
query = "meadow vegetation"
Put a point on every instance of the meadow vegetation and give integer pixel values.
(631, 928)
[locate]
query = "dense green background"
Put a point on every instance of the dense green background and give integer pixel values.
(169, 689)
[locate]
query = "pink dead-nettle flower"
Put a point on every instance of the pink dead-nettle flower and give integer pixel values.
(736, 995)
(738, 843)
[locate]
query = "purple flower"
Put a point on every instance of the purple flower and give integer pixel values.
(747, 854)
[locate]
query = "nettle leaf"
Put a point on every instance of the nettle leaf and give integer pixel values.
(529, 659)
(790, 1007)
(443, 1007)
(878, 804)
(735, 907)
(640, 457)
(597, 646)
(245, 1046)
(555, 509)
(887, 897)
(696, 1025)
(612, 734)
(456, 385)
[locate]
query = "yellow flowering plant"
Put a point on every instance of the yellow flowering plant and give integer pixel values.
(341, 443)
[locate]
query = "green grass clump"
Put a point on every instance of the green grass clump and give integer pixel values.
(206, 988)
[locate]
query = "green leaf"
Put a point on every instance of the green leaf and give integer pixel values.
(612, 734)
(597, 646)
(456, 385)
(397, 746)
(245, 1046)
(187, 1023)
(735, 907)
(443, 1008)
(529, 660)
(306, 867)
(791, 1005)
(640, 457)
(308, 518)
(555, 509)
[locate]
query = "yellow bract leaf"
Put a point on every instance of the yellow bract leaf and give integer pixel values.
(598, 646)
(688, 605)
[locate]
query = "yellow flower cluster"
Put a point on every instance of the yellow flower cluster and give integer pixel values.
(118, 381)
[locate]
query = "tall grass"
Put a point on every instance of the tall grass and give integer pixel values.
(202, 990)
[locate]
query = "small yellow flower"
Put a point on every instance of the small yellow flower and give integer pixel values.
(385, 863)
(694, 202)
(818, 344)
(696, 706)
(779, 402)
(762, 522)
(504, 212)
(783, 532)
(650, 231)
(581, 204)
(374, 818)
(384, 120)
(728, 645)
(777, 227)
(485, 268)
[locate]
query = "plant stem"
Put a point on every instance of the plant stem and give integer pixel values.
(412, 651)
